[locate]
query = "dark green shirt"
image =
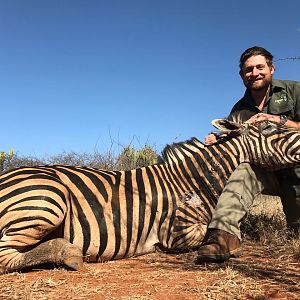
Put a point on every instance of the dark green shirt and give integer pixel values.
(283, 99)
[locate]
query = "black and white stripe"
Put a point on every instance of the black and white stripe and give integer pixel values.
(116, 214)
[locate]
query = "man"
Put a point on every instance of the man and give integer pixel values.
(264, 99)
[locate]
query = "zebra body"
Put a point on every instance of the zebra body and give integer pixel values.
(61, 213)
(107, 214)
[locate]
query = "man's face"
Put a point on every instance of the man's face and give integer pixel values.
(256, 73)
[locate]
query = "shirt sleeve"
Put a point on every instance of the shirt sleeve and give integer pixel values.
(296, 99)
(241, 112)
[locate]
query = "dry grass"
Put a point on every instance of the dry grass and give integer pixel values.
(269, 269)
(262, 273)
(259, 275)
(266, 222)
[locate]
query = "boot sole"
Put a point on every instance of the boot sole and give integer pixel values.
(219, 258)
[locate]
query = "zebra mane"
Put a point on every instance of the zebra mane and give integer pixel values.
(175, 149)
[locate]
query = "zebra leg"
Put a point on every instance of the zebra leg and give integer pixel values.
(58, 251)
(31, 225)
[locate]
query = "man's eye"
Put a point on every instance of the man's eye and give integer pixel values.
(260, 67)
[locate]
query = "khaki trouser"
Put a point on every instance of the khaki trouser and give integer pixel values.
(248, 181)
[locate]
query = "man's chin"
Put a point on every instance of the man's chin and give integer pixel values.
(258, 86)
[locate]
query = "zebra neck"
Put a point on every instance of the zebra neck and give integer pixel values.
(204, 169)
(214, 165)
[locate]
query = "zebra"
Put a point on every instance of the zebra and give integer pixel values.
(69, 214)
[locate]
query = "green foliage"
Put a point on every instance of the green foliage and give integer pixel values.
(5, 158)
(130, 158)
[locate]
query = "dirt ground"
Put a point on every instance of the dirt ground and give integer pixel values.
(261, 273)
(265, 271)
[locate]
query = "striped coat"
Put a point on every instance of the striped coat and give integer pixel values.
(62, 214)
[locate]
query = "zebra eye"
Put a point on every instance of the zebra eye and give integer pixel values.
(268, 129)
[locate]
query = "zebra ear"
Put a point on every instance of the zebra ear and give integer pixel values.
(226, 125)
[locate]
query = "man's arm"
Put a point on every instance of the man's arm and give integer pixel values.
(263, 117)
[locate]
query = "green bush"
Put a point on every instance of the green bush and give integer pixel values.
(130, 158)
(5, 159)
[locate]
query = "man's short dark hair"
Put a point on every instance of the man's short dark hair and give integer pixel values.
(256, 51)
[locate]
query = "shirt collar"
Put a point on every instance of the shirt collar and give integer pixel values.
(276, 85)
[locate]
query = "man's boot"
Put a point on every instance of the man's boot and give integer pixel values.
(219, 246)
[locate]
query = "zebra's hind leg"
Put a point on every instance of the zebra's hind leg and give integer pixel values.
(58, 251)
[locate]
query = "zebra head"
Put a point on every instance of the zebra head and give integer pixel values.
(265, 143)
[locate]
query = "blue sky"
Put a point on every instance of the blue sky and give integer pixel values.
(86, 75)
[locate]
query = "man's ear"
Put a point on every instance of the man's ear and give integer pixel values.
(272, 69)
(241, 73)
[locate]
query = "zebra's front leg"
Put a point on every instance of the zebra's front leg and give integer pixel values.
(58, 251)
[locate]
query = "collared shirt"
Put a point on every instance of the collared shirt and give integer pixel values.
(283, 99)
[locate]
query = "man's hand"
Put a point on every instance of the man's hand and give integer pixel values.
(263, 117)
(210, 139)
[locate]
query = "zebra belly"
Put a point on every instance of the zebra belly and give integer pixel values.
(113, 253)
(105, 241)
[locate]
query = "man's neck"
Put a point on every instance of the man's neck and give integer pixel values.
(260, 97)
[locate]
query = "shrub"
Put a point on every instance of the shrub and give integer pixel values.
(94, 160)
(130, 158)
(5, 159)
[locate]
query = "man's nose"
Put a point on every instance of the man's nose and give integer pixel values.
(255, 72)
